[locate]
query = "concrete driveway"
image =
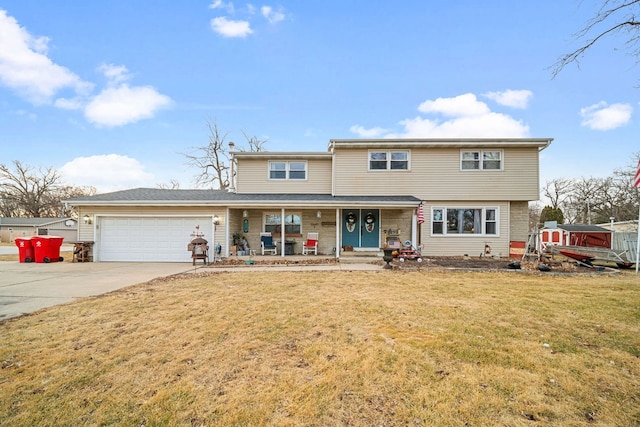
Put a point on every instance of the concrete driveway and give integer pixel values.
(27, 287)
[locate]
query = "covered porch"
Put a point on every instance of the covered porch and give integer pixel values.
(343, 225)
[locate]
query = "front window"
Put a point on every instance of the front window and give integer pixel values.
(277, 170)
(292, 224)
(378, 160)
(388, 160)
(288, 170)
(272, 223)
(470, 160)
(464, 221)
(492, 160)
(437, 221)
(297, 170)
(481, 160)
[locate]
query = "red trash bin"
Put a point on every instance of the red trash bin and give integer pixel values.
(47, 248)
(25, 249)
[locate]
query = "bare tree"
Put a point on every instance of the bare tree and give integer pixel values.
(213, 159)
(255, 144)
(586, 199)
(68, 192)
(171, 185)
(27, 191)
(613, 17)
(558, 191)
(534, 215)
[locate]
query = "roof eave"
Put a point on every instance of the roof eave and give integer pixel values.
(442, 143)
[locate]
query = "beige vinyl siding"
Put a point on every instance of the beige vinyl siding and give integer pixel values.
(472, 245)
(435, 174)
(85, 231)
(253, 178)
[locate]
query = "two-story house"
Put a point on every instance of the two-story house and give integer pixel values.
(448, 196)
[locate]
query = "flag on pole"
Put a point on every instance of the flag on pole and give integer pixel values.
(420, 214)
(636, 180)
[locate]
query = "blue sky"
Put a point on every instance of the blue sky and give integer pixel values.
(112, 93)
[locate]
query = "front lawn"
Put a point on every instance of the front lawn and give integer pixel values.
(387, 348)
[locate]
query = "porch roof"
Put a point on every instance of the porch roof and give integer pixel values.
(167, 197)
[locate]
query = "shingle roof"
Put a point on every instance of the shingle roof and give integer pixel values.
(583, 228)
(158, 196)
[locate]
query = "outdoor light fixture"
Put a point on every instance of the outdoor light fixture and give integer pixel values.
(245, 213)
(86, 219)
(216, 220)
(319, 214)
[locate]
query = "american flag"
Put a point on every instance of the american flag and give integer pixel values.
(421, 213)
(636, 180)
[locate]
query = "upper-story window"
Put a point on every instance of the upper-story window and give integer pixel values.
(288, 170)
(481, 160)
(388, 160)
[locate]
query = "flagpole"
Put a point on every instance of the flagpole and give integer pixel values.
(638, 243)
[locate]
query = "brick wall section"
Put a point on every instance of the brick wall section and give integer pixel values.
(519, 220)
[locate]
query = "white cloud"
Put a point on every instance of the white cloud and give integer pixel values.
(511, 98)
(461, 105)
(271, 15)
(219, 4)
(108, 172)
(466, 117)
(368, 133)
(229, 28)
(489, 125)
(602, 116)
(118, 106)
(25, 67)
(69, 103)
(114, 73)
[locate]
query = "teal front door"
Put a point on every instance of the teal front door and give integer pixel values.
(360, 228)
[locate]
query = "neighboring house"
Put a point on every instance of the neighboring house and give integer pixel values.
(473, 194)
(10, 228)
(621, 226)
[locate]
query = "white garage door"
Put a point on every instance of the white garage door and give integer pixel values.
(151, 239)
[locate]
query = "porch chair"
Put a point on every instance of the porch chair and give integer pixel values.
(267, 245)
(311, 244)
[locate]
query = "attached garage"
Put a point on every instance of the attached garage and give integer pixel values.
(149, 238)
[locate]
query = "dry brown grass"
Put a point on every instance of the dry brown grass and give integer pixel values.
(427, 348)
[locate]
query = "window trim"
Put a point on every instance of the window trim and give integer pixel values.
(389, 160)
(484, 221)
(481, 160)
(287, 170)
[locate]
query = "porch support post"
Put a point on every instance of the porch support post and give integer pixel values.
(282, 233)
(338, 225)
(225, 228)
(414, 230)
